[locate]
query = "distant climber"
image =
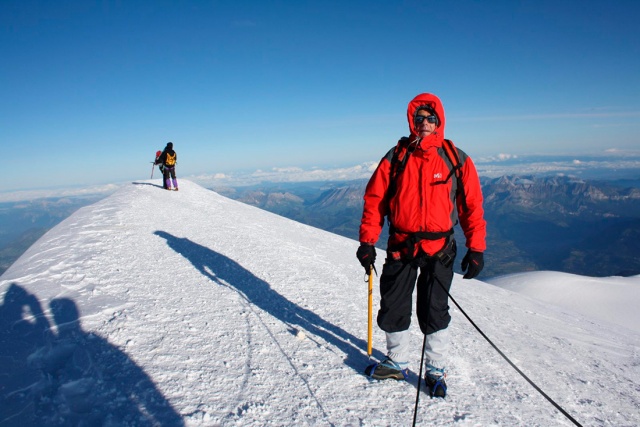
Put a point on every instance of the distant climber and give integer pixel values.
(168, 159)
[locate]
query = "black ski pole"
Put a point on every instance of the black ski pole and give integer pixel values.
(424, 345)
(415, 409)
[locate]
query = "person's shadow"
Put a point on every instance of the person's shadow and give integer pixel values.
(71, 377)
(227, 272)
(147, 183)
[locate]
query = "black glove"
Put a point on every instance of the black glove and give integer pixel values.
(472, 263)
(366, 255)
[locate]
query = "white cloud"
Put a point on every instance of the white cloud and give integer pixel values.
(494, 166)
(288, 174)
(622, 152)
(504, 156)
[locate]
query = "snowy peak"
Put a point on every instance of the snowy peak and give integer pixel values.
(153, 307)
(610, 299)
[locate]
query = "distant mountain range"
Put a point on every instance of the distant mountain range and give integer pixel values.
(589, 228)
(534, 223)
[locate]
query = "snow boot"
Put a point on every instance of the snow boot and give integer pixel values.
(435, 380)
(386, 369)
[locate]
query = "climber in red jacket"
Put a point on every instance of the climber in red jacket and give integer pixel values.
(423, 186)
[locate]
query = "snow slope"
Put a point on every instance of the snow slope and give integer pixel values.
(610, 299)
(153, 307)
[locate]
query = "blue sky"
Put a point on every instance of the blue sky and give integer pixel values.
(91, 89)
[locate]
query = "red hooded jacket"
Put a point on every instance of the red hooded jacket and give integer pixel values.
(421, 202)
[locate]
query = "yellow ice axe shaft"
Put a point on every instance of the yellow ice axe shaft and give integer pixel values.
(370, 325)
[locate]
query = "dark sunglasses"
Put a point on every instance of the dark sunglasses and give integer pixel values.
(430, 119)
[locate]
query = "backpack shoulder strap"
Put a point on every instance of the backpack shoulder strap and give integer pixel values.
(403, 148)
(454, 158)
(453, 155)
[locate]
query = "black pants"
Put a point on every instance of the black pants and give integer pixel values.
(169, 172)
(397, 282)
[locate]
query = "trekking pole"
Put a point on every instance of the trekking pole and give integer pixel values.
(370, 327)
(415, 408)
(153, 166)
(424, 345)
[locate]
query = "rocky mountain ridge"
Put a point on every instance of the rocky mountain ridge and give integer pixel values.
(562, 195)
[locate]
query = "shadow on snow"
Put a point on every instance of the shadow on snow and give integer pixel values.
(69, 377)
(227, 272)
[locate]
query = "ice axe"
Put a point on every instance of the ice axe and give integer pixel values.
(153, 166)
(370, 323)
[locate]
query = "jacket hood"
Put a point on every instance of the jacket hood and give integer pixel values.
(432, 101)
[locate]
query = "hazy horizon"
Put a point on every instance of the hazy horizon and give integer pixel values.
(609, 166)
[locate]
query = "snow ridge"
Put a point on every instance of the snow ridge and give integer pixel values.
(153, 307)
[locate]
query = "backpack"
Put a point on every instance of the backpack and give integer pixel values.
(171, 160)
(451, 153)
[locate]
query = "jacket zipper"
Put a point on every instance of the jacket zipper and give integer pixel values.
(421, 195)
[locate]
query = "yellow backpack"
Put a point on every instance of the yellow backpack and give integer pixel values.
(171, 160)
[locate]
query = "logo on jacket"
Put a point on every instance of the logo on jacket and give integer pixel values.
(437, 175)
